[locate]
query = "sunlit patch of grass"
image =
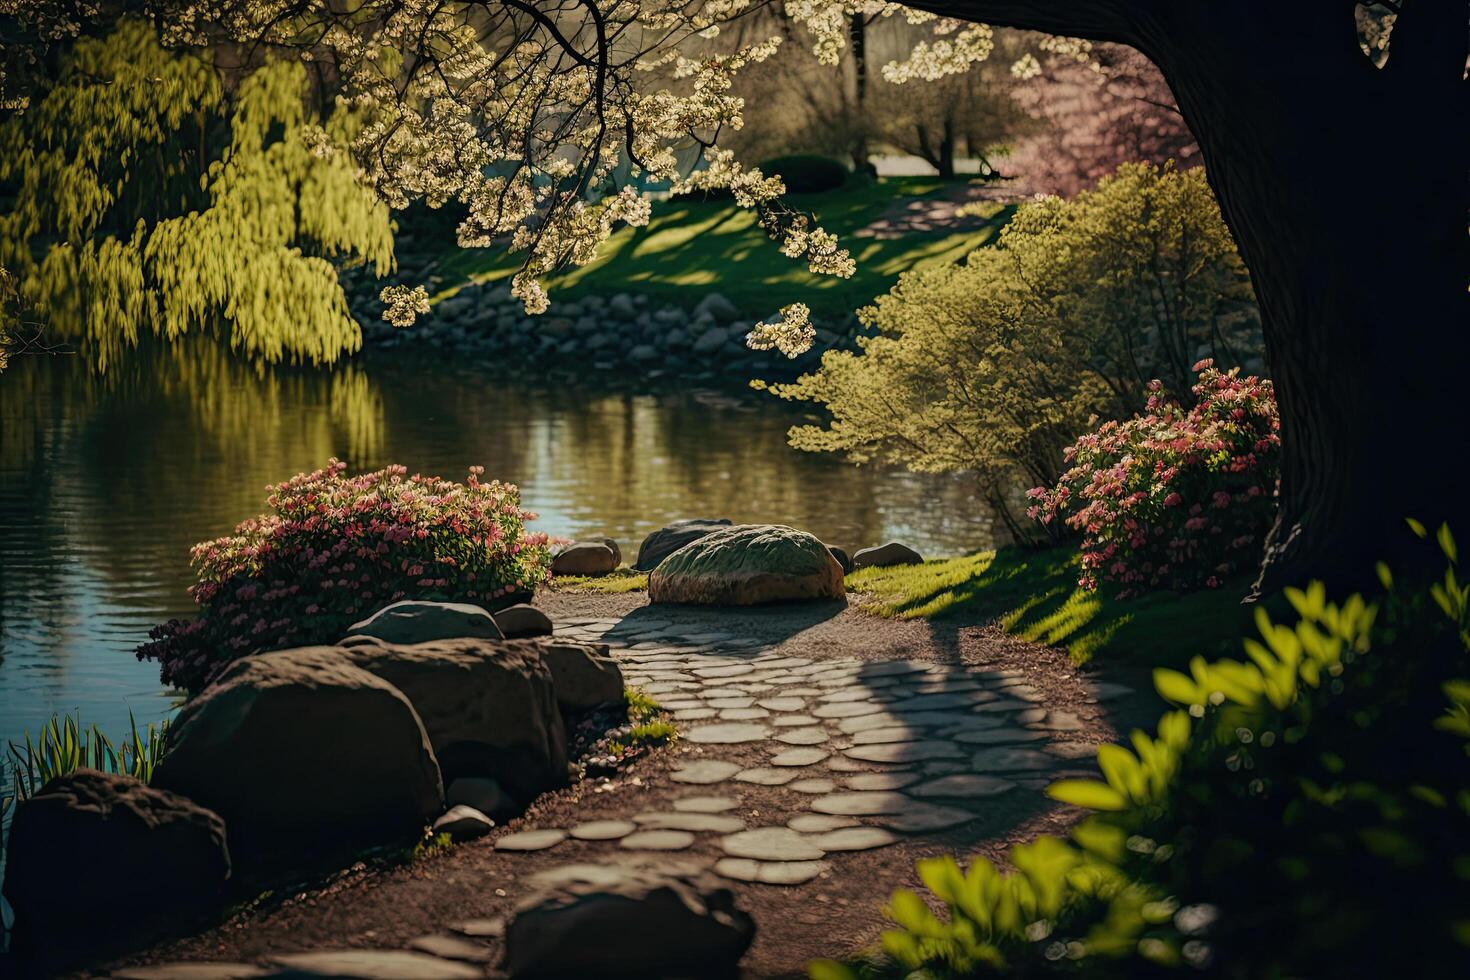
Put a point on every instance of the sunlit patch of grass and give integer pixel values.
(1033, 594)
(641, 707)
(623, 579)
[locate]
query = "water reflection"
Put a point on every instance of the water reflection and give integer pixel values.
(105, 483)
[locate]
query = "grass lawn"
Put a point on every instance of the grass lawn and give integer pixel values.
(623, 579)
(1034, 595)
(693, 247)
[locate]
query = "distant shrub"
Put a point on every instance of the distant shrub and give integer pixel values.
(806, 173)
(1299, 814)
(333, 549)
(1176, 497)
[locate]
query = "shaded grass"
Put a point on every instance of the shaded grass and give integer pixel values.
(1034, 595)
(622, 579)
(715, 246)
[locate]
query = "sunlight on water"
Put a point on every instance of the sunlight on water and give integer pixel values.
(106, 483)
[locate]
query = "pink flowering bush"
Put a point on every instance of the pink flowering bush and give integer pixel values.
(1173, 498)
(333, 549)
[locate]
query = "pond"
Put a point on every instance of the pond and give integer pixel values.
(105, 483)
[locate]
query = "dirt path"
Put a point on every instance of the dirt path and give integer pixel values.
(856, 744)
(917, 215)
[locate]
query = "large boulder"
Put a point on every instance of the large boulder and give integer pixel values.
(583, 675)
(746, 565)
(891, 553)
(301, 751)
(522, 621)
(653, 921)
(89, 843)
(584, 558)
(416, 621)
(488, 706)
(718, 307)
(671, 537)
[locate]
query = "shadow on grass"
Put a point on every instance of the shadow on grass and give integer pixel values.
(1033, 594)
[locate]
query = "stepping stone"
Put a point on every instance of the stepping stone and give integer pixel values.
(402, 963)
(704, 804)
(1072, 750)
(1032, 717)
(704, 772)
(770, 872)
(962, 785)
(905, 752)
(745, 701)
(882, 780)
(733, 670)
(707, 823)
(1025, 692)
(657, 840)
(862, 803)
(943, 767)
(854, 839)
(191, 971)
(850, 709)
(819, 823)
(743, 714)
(798, 757)
(795, 721)
(771, 844)
(918, 818)
(481, 928)
(930, 702)
(847, 694)
(841, 763)
(782, 704)
(602, 830)
(1062, 721)
(803, 736)
(1004, 704)
(813, 786)
(694, 714)
(452, 948)
(764, 776)
(723, 692)
(1011, 760)
(852, 726)
(531, 840)
(728, 733)
(893, 668)
(883, 736)
(803, 692)
(997, 736)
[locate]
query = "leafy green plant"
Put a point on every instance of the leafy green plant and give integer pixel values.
(1302, 812)
(64, 746)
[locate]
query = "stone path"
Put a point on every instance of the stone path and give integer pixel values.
(848, 757)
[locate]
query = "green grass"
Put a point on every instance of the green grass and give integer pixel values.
(692, 247)
(641, 707)
(1034, 595)
(623, 579)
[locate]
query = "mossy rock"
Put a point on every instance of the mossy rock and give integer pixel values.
(747, 565)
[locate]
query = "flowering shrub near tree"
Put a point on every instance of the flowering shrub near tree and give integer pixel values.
(335, 548)
(1176, 498)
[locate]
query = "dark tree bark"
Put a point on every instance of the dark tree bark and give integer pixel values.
(938, 154)
(1345, 187)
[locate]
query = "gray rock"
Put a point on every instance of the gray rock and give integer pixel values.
(584, 558)
(582, 674)
(718, 307)
(748, 564)
(891, 553)
(482, 794)
(643, 354)
(88, 837)
(711, 340)
(653, 920)
(416, 621)
(463, 823)
(302, 749)
(489, 707)
(842, 558)
(621, 306)
(671, 537)
(523, 620)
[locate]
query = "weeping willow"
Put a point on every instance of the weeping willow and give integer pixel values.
(141, 193)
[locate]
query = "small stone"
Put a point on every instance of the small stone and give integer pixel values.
(771, 844)
(737, 702)
(814, 786)
(743, 714)
(708, 823)
(782, 704)
(704, 804)
(694, 714)
(854, 839)
(884, 736)
(904, 751)
(798, 757)
(658, 840)
(795, 721)
(481, 928)
(770, 872)
(463, 823)
(963, 785)
(704, 772)
(918, 818)
(602, 830)
(730, 733)
(847, 709)
(766, 777)
(862, 803)
(531, 840)
(803, 736)
(819, 823)
(880, 781)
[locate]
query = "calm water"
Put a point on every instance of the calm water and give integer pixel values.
(105, 484)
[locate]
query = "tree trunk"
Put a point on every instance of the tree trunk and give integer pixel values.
(1345, 188)
(857, 31)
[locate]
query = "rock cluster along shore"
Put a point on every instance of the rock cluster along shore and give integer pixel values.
(623, 332)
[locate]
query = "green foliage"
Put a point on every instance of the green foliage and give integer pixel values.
(148, 198)
(623, 579)
(641, 707)
(807, 173)
(1304, 812)
(64, 746)
(1034, 594)
(996, 365)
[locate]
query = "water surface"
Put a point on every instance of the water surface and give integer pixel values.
(106, 483)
